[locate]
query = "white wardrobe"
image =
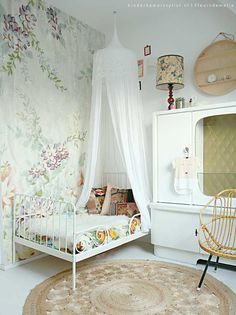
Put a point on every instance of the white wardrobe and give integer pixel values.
(208, 136)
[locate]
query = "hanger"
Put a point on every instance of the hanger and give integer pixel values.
(186, 152)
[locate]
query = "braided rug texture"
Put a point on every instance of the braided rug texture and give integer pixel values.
(134, 287)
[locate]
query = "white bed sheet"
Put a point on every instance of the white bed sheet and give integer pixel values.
(61, 227)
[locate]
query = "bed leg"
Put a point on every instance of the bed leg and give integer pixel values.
(13, 251)
(74, 275)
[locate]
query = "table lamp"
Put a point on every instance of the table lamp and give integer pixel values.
(170, 75)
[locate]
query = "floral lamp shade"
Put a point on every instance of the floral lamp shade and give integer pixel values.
(170, 70)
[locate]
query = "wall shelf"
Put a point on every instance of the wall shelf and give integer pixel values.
(219, 59)
(226, 81)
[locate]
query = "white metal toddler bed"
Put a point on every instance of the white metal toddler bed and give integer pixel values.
(59, 229)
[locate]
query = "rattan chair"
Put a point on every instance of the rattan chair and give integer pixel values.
(217, 232)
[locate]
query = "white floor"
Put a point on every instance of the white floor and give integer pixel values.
(16, 283)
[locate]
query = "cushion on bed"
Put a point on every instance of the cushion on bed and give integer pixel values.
(127, 208)
(96, 199)
(122, 202)
(118, 196)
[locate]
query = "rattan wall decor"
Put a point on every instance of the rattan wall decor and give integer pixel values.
(215, 68)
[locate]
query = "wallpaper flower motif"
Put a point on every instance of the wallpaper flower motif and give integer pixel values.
(53, 21)
(8, 188)
(37, 171)
(21, 37)
(54, 155)
(52, 158)
(28, 19)
(44, 108)
(14, 35)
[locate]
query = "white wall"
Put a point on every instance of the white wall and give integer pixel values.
(180, 31)
(184, 31)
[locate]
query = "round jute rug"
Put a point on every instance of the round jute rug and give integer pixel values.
(131, 287)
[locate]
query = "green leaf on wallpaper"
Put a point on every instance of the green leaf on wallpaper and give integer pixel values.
(82, 159)
(46, 178)
(2, 11)
(62, 41)
(32, 2)
(18, 132)
(41, 4)
(63, 26)
(29, 54)
(39, 193)
(4, 47)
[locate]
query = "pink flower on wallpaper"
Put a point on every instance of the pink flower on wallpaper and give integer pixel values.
(37, 170)
(5, 171)
(53, 155)
(17, 37)
(53, 22)
(8, 192)
(27, 18)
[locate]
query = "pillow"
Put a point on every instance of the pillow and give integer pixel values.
(129, 209)
(96, 199)
(107, 201)
(113, 197)
(121, 195)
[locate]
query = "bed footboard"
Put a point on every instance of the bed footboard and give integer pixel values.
(50, 226)
(40, 220)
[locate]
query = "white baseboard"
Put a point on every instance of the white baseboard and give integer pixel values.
(21, 262)
(186, 257)
(176, 255)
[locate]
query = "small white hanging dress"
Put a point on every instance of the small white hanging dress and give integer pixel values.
(186, 181)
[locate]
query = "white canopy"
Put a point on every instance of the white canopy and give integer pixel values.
(116, 67)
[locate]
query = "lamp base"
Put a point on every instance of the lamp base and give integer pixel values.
(171, 100)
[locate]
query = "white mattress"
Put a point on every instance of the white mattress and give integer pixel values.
(84, 222)
(60, 227)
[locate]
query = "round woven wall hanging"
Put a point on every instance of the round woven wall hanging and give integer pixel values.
(215, 68)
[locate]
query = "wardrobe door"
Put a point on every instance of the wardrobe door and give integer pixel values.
(172, 133)
(215, 146)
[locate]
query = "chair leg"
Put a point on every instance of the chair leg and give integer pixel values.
(217, 260)
(204, 273)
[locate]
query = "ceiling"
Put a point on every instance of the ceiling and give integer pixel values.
(98, 13)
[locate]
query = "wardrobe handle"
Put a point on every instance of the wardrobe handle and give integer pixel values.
(196, 232)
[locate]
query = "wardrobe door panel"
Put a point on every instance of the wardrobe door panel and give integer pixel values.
(172, 133)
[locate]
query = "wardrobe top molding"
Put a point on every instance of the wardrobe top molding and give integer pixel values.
(195, 108)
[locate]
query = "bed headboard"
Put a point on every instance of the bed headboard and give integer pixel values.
(119, 179)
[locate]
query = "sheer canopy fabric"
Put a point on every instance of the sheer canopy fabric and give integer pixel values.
(115, 69)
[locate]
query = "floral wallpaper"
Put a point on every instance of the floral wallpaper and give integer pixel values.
(45, 92)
